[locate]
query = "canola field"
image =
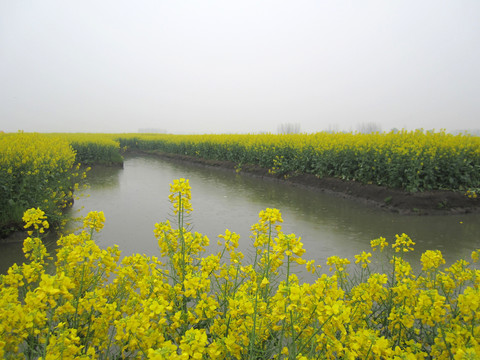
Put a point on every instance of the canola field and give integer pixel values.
(412, 161)
(43, 170)
(187, 305)
(35, 171)
(94, 149)
(40, 170)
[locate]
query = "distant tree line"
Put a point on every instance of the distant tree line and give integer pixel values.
(289, 128)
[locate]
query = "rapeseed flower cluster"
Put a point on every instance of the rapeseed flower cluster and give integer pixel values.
(94, 221)
(472, 193)
(37, 219)
(35, 171)
(410, 160)
(187, 305)
(93, 148)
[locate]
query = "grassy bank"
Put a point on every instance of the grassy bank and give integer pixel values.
(192, 306)
(411, 161)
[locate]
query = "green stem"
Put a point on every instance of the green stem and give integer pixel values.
(293, 336)
(75, 325)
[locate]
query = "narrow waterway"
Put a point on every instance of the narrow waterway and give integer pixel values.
(136, 197)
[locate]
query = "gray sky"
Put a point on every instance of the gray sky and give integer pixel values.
(218, 66)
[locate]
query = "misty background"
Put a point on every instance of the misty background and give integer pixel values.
(218, 66)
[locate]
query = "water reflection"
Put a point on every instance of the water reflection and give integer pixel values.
(103, 177)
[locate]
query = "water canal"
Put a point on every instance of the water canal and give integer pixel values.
(136, 197)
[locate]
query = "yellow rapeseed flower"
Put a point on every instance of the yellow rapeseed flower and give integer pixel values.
(403, 243)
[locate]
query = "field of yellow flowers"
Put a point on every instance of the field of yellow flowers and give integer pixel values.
(35, 170)
(94, 149)
(187, 305)
(408, 160)
(42, 170)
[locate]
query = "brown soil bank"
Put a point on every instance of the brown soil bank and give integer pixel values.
(394, 200)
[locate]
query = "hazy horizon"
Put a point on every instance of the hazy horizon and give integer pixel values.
(238, 67)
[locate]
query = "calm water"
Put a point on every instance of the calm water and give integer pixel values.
(136, 197)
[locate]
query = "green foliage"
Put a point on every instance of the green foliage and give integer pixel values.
(35, 171)
(92, 149)
(412, 161)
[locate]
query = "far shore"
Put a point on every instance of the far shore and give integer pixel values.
(438, 202)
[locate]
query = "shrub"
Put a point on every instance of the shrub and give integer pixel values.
(35, 171)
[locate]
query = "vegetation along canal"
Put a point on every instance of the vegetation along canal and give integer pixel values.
(136, 197)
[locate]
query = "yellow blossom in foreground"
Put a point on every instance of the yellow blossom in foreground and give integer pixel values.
(337, 262)
(196, 304)
(36, 218)
(94, 220)
(363, 258)
(180, 196)
(403, 243)
(431, 260)
(475, 255)
(271, 216)
(381, 241)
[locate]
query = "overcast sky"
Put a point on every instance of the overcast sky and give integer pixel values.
(221, 66)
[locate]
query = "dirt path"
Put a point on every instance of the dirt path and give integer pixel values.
(394, 200)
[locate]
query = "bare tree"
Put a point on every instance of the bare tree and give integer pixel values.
(332, 128)
(369, 127)
(288, 128)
